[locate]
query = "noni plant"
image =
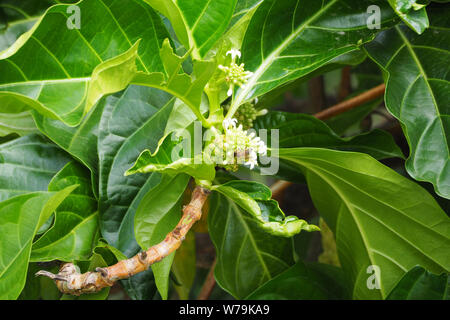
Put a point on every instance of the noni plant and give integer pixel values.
(133, 132)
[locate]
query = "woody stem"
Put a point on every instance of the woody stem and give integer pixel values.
(70, 281)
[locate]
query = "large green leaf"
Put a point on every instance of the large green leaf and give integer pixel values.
(17, 17)
(419, 284)
(75, 230)
(304, 282)
(247, 256)
(198, 24)
(417, 90)
(20, 219)
(28, 164)
(301, 130)
(379, 217)
(79, 141)
(184, 266)
(122, 136)
(255, 198)
(308, 36)
(157, 214)
(76, 67)
(412, 12)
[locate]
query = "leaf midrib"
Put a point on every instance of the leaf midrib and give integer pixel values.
(266, 63)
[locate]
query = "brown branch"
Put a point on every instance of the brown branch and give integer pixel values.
(209, 283)
(279, 186)
(70, 281)
(351, 103)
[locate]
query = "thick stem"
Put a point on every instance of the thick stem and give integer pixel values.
(70, 281)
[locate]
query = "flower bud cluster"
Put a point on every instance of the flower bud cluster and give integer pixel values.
(236, 146)
(235, 74)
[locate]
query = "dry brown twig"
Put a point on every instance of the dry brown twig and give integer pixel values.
(70, 281)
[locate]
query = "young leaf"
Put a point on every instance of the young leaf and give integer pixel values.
(417, 89)
(419, 284)
(20, 219)
(255, 198)
(198, 24)
(308, 37)
(76, 67)
(28, 164)
(304, 282)
(379, 218)
(168, 159)
(412, 13)
(247, 256)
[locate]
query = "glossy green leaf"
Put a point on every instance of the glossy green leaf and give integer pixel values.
(122, 136)
(198, 24)
(255, 198)
(379, 217)
(157, 214)
(79, 141)
(419, 284)
(184, 266)
(301, 130)
(20, 219)
(247, 256)
(75, 230)
(417, 90)
(412, 12)
(170, 158)
(308, 37)
(21, 123)
(18, 17)
(304, 282)
(28, 164)
(76, 68)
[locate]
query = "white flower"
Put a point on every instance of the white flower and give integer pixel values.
(226, 123)
(234, 53)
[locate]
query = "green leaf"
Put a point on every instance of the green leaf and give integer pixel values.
(417, 89)
(198, 24)
(379, 217)
(76, 67)
(21, 123)
(20, 219)
(18, 17)
(304, 282)
(419, 284)
(75, 230)
(247, 256)
(308, 37)
(412, 13)
(170, 158)
(122, 136)
(255, 198)
(184, 266)
(301, 130)
(79, 141)
(28, 164)
(157, 214)
(187, 88)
